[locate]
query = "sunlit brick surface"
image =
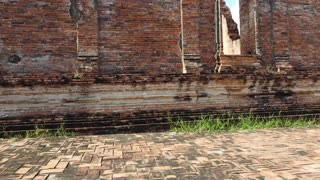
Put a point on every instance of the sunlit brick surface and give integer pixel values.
(268, 154)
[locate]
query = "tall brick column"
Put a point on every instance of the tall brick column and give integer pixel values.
(191, 41)
(85, 16)
(88, 29)
(248, 25)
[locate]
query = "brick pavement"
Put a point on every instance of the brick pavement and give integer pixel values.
(265, 154)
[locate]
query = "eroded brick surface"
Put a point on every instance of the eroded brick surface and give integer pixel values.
(41, 34)
(283, 31)
(139, 37)
(145, 106)
(265, 154)
(45, 39)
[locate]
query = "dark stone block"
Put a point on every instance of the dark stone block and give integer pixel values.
(15, 59)
(74, 11)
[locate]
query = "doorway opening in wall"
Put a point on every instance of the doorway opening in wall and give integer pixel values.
(236, 35)
(230, 24)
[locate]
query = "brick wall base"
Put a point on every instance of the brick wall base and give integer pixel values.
(112, 107)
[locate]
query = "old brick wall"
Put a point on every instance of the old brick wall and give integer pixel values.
(191, 13)
(139, 37)
(87, 28)
(190, 35)
(206, 32)
(110, 37)
(287, 31)
(112, 65)
(37, 37)
(198, 35)
(121, 37)
(144, 106)
(248, 26)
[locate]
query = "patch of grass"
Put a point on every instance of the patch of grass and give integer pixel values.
(4, 132)
(61, 131)
(231, 122)
(38, 132)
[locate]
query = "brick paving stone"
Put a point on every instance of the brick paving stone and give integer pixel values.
(51, 171)
(41, 177)
(107, 172)
(93, 174)
(106, 177)
(30, 176)
(4, 159)
(264, 154)
(82, 171)
(171, 177)
(161, 168)
(62, 165)
(51, 164)
(23, 170)
(125, 175)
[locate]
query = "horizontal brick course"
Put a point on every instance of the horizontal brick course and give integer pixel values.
(116, 107)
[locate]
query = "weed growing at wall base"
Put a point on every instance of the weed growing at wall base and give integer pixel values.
(38, 132)
(230, 122)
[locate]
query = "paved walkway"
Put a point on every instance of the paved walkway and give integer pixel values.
(266, 154)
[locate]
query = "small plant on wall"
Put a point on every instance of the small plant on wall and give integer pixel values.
(270, 70)
(77, 74)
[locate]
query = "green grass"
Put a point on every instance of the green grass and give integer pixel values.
(38, 132)
(230, 122)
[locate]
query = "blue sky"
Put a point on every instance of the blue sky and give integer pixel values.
(231, 3)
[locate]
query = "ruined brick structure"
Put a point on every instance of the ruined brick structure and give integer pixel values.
(282, 31)
(117, 65)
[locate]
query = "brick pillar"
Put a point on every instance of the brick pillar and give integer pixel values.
(191, 26)
(248, 26)
(281, 34)
(88, 28)
(191, 41)
(85, 14)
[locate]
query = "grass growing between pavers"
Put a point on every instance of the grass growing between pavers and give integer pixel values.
(249, 121)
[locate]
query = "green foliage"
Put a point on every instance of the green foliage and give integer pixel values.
(38, 132)
(4, 133)
(61, 131)
(231, 122)
(77, 74)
